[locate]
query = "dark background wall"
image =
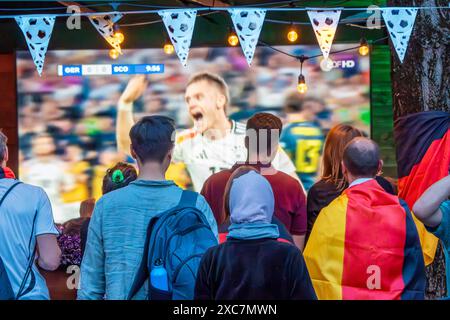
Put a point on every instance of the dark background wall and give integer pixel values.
(8, 106)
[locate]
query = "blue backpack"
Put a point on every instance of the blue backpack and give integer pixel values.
(176, 239)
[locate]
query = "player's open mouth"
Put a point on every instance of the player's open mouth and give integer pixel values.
(197, 116)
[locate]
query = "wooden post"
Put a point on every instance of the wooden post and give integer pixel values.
(8, 107)
(421, 83)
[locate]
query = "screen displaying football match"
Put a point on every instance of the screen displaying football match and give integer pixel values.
(67, 117)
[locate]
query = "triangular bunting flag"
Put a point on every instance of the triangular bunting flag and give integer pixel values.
(324, 24)
(105, 26)
(37, 31)
(400, 22)
(180, 26)
(248, 25)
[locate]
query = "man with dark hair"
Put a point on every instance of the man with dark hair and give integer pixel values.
(26, 224)
(302, 138)
(364, 244)
(118, 226)
(214, 143)
(261, 142)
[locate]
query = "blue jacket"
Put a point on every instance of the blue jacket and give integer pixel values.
(117, 234)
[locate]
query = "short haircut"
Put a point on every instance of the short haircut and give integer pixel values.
(362, 157)
(263, 121)
(213, 79)
(152, 137)
(3, 145)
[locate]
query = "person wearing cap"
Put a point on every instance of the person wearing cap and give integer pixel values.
(252, 264)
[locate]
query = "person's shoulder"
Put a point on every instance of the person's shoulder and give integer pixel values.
(286, 248)
(288, 182)
(325, 186)
(30, 189)
(217, 177)
(337, 204)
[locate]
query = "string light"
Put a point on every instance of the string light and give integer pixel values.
(233, 39)
(292, 34)
(118, 35)
(301, 86)
(113, 54)
(168, 48)
(363, 47)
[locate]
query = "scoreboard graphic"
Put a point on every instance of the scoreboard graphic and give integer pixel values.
(80, 70)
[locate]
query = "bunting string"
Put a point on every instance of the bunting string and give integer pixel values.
(247, 20)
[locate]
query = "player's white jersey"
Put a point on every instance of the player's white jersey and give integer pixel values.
(52, 177)
(204, 157)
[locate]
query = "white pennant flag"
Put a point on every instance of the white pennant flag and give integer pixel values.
(248, 25)
(37, 31)
(324, 24)
(400, 22)
(180, 26)
(105, 26)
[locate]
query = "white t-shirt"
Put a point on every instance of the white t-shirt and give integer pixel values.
(24, 206)
(204, 157)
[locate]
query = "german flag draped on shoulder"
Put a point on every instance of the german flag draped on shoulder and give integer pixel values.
(423, 158)
(364, 245)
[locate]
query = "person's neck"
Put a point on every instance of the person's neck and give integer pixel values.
(256, 159)
(152, 171)
(220, 128)
(352, 179)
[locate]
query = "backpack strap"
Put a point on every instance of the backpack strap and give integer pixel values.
(9, 190)
(188, 199)
(29, 272)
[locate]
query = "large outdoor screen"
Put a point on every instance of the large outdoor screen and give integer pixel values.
(67, 116)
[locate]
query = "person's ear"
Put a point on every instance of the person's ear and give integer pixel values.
(133, 153)
(170, 154)
(221, 101)
(344, 169)
(380, 167)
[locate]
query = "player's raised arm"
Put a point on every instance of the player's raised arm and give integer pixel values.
(135, 88)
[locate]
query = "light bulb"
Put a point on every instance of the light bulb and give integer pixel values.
(113, 54)
(363, 47)
(302, 87)
(292, 35)
(363, 50)
(119, 36)
(233, 39)
(168, 48)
